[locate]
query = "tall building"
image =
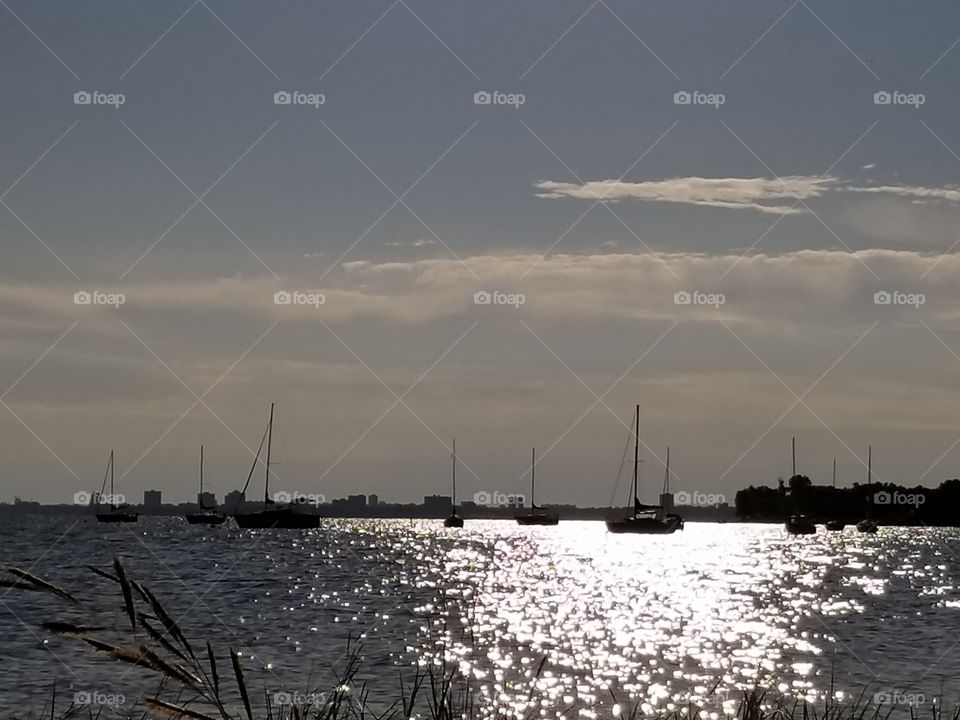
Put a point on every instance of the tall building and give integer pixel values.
(206, 499)
(437, 505)
(152, 500)
(373, 500)
(233, 501)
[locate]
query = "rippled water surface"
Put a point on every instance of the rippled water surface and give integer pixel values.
(652, 619)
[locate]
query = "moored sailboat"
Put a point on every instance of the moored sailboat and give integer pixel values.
(798, 524)
(206, 516)
(534, 517)
(868, 525)
(646, 519)
(454, 521)
(117, 513)
(835, 525)
(272, 516)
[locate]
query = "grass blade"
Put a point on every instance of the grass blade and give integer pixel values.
(241, 685)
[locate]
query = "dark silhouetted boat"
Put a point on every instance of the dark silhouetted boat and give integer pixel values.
(835, 525)
(272, 515)
(646, 519)
(798, 524)
(868, 525)
(206, 516)
(454, 521)
(117, 513)
(537, 515)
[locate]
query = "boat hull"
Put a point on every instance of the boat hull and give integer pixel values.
(867, 526)
(646, 525)
(117, 517)
(800, 525)
(537, 519)
(278, 519)
(836, 525)
(454, 521)
(206, 518)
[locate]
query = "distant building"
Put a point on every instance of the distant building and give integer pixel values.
(152, 500)
(350, 504)
(233, 501)
(206, 499)
(437, 505)
(373, 500)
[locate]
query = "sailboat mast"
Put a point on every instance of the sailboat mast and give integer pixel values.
(112, 505)
(454, 475)
(533, 471)
(666, 474)
(266, 483)
(834, 472)
(201, 474)
(793, 455)
(636, 457)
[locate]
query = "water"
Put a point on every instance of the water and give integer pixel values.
(659, 620)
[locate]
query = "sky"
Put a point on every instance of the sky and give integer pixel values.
(501, 222)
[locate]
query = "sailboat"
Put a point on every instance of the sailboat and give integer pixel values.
(454, 521)
(206, 516)
(117, 513)
(867, 525)
(835, 525)
(534, 517)
(798, 524)
(272, 516)
(646, 519)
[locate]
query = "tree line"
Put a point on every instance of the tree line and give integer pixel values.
(884, 502)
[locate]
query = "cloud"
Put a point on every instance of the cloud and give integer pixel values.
(600, 312)
(918, 192)
(767, 195)
(776, 196)
(418, 243)
(810, 288)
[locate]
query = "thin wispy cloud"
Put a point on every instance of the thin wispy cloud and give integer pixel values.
(767, 195)
(776, 196)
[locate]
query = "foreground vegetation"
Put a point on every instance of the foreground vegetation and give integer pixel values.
(196, 681)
